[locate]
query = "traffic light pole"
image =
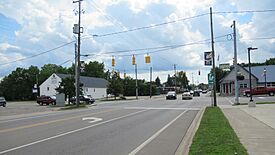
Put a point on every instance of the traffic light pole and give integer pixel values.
(235, 65)
(136, 82)
(213, 59)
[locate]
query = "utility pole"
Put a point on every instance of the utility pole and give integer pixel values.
(175, 78)
(235, 65)
(136, 82)
(213, 59)
(77, 80)
(150, 82)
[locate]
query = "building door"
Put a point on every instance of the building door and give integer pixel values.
(226, 88)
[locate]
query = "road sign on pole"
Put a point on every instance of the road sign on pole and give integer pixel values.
(207, 58)
(210, 78)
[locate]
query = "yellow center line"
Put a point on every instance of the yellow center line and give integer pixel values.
(53, 121)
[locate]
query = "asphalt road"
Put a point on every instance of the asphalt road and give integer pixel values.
(147, 126)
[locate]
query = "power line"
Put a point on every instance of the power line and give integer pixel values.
(150, 26)
(244, 11)
(25, 58)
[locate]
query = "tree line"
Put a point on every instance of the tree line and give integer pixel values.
(18, 85)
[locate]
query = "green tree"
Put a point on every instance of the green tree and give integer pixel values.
(157, 81)
(219, 75)
(48, 69)
(67, 87)
(94, 69)
(182, 80)
(169, 82)
(115, 86)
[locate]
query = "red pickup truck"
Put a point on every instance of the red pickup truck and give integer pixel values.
(259, 91)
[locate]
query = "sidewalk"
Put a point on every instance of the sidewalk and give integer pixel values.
(255, 126)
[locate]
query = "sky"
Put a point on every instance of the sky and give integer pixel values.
(31, 27)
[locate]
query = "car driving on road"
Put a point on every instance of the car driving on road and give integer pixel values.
(186, 95)
(2, 102)
(171, 95)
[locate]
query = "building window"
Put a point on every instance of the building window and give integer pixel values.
(94, 89)
(243, 85)
(48, 88)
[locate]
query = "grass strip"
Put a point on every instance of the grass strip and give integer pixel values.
(215, 136)
(70, 107)
(265, 102)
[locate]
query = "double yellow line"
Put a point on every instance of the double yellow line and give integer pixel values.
(53, 121)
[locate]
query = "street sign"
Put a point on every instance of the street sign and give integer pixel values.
(207, 58)
(210, 78)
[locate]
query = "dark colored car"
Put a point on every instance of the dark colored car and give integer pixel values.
(41, 100)
(204, 91)
(83, 99)
(171, 95)
(3, 102)
(196, 93)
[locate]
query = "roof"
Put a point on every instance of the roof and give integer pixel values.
(258, 71)
(91, 82)
(243, 69)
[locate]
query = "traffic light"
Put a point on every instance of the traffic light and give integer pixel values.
(147, 59)
(124, 75)
(113, 61)
(133, 60)
(199, 72)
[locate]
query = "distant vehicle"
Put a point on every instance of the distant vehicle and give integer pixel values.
(191, 92)
(41, 100)
(186, 95)
(196, 93)
(83, 99)
(204, 91)
(171, 95)
(259, 91)
(2, 102)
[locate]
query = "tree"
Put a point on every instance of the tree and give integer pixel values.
(115, 86)
(158, 83)
(169, 82)
(219, 75)
(48, 69)
(67, 87)
(182, 80)
(94, 69)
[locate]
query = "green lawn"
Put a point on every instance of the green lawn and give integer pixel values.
(216, 136)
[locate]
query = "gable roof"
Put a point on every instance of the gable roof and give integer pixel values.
(233, 70)
(258, 71)
(91, 82)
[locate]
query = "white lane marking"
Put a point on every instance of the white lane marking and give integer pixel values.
(261, 97)
(94, 119)
(158, 108)
(229, 100)
(70, 132)
(141, 146)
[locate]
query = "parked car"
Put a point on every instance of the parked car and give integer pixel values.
(186, 95)
(83, 99)
(41, 100)
(259, 91)
(3, 102)
(196, 93)
(171, 95)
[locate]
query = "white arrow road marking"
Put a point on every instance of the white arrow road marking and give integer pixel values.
(94, 119)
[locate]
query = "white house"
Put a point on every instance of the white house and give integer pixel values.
(96, 87)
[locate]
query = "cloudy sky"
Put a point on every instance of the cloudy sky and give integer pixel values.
(32, 27)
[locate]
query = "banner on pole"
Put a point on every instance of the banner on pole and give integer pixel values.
(207, 58)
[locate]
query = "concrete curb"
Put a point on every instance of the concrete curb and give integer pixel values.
(186, 142)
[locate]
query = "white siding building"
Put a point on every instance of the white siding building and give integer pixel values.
(96, 87)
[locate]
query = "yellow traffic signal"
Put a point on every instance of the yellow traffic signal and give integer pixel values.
(124, 75)
(147, 59)
(113, 61)
(133, 60)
